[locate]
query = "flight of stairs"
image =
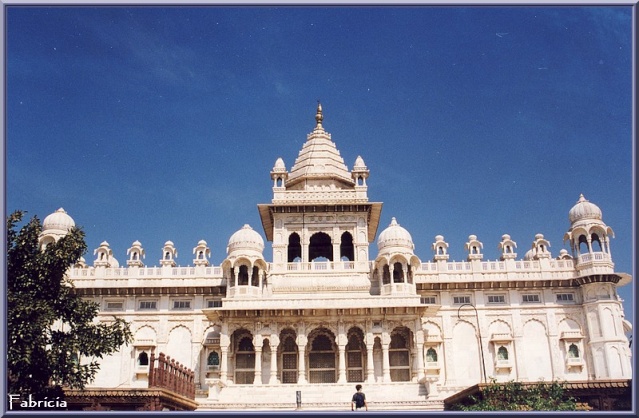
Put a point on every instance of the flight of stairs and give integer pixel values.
(321, 397)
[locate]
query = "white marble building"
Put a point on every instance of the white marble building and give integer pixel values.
(321, 315)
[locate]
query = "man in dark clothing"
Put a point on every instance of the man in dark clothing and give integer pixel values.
(359, 400)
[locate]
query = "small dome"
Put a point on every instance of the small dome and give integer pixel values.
(246, 238)
(201, 242)
(395, 236)
(584, 210)
(279, 165)
(58, 220)
(359, 164)
(168, 244)
(529, 255)
(136, 243)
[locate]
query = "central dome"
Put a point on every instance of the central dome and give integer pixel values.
(58, 220)
(246, 239)
(395, 236)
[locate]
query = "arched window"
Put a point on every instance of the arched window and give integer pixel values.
(502, 353)
(573, 351)
(135, 255)
(322, 360)
(242, 278)
(279, 182)
(167, 256)
(294, 247)
(143, 359)
(289, 362)
(213, 359)
(245, 361)
(474, 250)
(595, 238)
(508, 249)
(399, 357)
(386, 274)
(200, 255)
(440, 250)
(398, 273)
(583, 244)
(255, 277)
(431, 355)
(346, 248)
(355, 356)
(320, 246)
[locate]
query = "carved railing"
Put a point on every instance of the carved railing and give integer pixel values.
(165, 372)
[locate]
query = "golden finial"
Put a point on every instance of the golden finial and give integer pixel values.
(318, 115)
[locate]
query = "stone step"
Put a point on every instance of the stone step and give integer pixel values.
(336, 396)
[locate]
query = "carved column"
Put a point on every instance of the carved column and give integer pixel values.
(341, 376)
(370, 365)
(224, 364)
(258, 366)
(273, 379)
(385, 357)
(301, 363)
(419, 343)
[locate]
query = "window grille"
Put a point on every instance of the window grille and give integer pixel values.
(148, 304)
(181, 304)
(115, 306)
(496, 299)
(565, 297)
(214, 304)
(532, 298)
(322, 361)
(460, 300)
(399, 359)
(289, 360)
(427, 300)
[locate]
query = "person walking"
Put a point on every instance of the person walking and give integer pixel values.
(359, 400)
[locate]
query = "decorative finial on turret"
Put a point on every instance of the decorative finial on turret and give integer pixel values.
(318, 116)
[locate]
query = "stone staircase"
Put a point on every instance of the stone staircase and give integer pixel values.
(321, 397)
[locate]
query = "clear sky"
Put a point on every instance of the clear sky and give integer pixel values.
(163, 123)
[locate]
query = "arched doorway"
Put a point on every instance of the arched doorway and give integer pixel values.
(244, 357)
(288, 357)
(355, 356)
(399, 355)
(322, 357)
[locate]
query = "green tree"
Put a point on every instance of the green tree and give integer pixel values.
(518, 396)
(53, 340)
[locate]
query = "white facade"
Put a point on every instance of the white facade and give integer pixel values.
(321, 315)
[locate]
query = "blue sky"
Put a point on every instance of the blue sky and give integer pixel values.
(163, 123)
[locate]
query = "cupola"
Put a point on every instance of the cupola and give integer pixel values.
(245, 239)
(395, 236)
(54, 227)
